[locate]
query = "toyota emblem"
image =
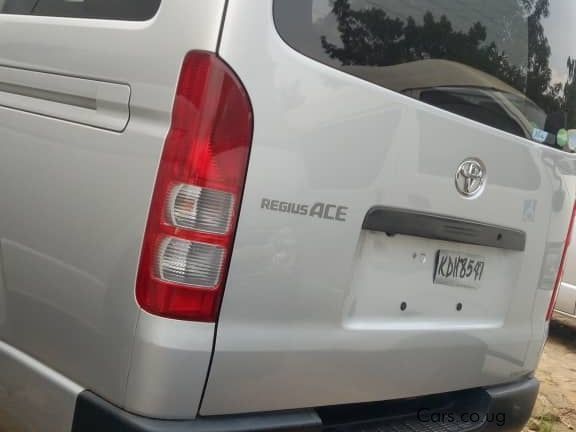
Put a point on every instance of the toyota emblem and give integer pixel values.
(471, 178)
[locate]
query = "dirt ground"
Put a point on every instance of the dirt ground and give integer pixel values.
(556, 407)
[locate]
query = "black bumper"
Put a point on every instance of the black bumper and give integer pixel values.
(504, 408)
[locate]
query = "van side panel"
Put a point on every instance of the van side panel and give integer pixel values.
(169, 366)
(32, 396)
(74, 201)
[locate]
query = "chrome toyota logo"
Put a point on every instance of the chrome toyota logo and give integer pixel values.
(471, 178)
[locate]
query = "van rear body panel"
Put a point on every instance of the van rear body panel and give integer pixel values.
(319, 311)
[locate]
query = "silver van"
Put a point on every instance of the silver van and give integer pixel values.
(281, 215)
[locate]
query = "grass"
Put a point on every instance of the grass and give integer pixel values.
(544, 423)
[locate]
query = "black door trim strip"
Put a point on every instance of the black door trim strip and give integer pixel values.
(393, 221)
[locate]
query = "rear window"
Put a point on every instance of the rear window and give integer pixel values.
(509, 64)
(130, 10)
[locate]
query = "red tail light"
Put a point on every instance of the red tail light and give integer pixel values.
(562, 267)
(194, 210)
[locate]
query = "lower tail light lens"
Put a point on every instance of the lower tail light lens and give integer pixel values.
(194, 212)
(190, 263)
(560, 274)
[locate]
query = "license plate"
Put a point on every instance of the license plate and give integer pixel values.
(458, 269)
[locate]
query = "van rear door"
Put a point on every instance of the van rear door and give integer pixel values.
(405, 210)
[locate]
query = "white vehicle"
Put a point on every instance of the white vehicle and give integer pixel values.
(280, 215)
(566, 303)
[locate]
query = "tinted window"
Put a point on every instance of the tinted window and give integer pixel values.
(132, 10)
(16, 6)
(510, 64)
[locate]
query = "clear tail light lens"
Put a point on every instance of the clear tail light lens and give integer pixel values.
(194, 210)
(190, 263)
(560, 274)
(200, 209)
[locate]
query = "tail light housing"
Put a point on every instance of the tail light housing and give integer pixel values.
(562, 267)
(194, 210)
